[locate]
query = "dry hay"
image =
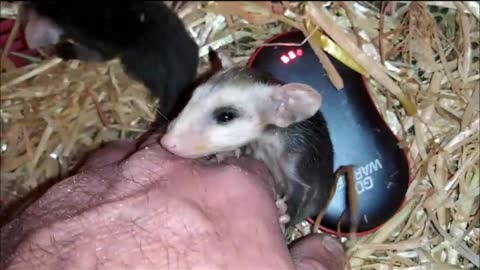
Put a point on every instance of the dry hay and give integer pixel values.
(423, 61)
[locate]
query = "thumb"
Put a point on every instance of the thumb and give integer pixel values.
(318, 252)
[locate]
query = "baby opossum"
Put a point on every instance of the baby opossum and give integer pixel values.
(149, 38)
(279, 124)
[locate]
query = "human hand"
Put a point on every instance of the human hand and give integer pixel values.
(144, 208)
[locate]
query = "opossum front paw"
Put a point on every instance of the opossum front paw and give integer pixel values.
(224, 155)
(238, 152)
(284, 219)
(220, 157)
(282, 209)
(281, 205)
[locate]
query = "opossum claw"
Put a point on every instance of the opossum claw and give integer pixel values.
(238, 153)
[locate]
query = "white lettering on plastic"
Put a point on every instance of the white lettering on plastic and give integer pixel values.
(363, 176)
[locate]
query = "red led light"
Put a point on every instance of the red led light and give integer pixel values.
(285, 59)
(291, 54)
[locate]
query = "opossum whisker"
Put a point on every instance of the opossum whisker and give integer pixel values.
(159, 112)
(164, 116)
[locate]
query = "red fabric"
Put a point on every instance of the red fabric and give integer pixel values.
(19, 45)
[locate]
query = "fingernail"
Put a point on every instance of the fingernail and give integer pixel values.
(333, 245)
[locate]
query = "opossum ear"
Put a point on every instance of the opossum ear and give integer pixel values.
(293, 102)
(40, 31)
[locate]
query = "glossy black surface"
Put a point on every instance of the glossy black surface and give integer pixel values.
(359, 134)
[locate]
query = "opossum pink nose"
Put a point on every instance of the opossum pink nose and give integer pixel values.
(167, 142)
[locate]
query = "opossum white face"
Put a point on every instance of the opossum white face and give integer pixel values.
(227, 113)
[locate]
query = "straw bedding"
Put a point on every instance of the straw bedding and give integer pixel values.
(423, 69)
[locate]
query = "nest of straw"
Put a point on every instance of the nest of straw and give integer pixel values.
(422, 60)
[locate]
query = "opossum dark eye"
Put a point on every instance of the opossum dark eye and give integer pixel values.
(224, 115)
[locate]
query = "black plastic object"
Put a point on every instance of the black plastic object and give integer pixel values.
(359, 134)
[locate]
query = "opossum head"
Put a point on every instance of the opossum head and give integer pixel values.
(233, 108)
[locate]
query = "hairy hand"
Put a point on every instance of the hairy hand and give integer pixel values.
(144, 208)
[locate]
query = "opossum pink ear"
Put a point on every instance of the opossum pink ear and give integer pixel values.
(40, 31)
(293, 102)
